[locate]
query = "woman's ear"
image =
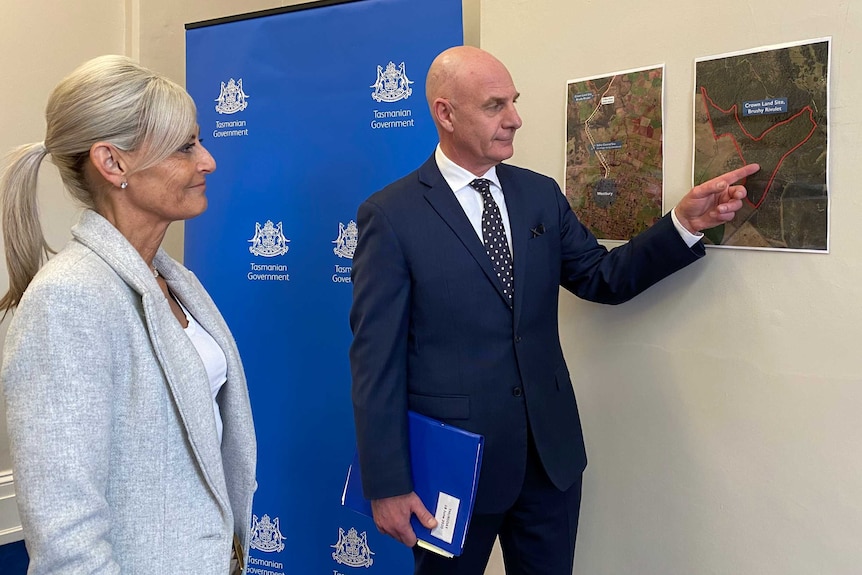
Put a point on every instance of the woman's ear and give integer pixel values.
(110, 163)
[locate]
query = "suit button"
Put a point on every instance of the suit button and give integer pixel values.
(517, 391)
(518, 339)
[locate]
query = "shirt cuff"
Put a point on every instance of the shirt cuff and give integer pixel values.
(689, 238)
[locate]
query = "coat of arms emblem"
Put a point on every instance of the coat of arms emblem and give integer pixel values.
(265, 535)
(268, 241)
(345, 244)
(231, 99)
(392, 84)
(352, 549)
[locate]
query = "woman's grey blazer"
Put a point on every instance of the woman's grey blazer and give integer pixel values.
(116, 458)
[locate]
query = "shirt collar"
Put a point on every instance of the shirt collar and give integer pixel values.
(456, 176)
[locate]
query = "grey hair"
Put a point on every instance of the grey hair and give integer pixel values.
(107, 99)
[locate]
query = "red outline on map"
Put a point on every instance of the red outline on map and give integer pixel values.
(733, 109)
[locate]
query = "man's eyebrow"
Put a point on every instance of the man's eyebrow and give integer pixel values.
(502, 99)
(496, 100)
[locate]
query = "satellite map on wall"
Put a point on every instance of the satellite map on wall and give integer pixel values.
(768, 106)
(614, 151)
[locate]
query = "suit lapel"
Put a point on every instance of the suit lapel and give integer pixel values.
(187, 380)
(443, 200)
(517, 206)
(234, 396)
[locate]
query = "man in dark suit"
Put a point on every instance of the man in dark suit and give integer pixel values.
(455, 317)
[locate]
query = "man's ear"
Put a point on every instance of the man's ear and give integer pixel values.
(109, 162)
(441, 109)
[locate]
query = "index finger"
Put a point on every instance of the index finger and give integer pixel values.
(719, 183)
(734, 176)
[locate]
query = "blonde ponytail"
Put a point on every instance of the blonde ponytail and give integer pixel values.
(25, 245)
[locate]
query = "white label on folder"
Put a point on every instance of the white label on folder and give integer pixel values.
(447, 513)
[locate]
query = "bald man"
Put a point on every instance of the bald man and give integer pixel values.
(456, 281)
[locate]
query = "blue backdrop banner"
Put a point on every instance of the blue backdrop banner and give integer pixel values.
(307, 111)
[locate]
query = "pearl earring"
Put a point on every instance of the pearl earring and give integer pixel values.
(124, 185)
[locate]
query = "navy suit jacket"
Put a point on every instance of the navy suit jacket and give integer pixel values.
(434, 333)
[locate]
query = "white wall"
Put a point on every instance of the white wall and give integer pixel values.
(721, 408)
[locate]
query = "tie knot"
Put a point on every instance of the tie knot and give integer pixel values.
(481, 185)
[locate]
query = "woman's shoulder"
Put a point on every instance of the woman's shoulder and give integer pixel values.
(77, 273)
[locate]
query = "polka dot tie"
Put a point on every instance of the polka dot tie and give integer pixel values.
(494, 236)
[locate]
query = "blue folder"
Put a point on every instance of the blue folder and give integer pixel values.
(445, 463)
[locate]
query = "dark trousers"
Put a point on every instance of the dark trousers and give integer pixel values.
(537, 534)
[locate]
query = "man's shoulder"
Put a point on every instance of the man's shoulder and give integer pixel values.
(406, 182)
(538, 189)
(397, 192)
(517, 172)
(407, 186)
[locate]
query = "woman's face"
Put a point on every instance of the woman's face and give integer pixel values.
(175, 188)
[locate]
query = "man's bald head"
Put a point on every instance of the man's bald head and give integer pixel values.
(472, 101)
(452, 70)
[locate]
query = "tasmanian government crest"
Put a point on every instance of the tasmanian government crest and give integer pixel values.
(345, 244)
(392, 84)
(268, 241)
(352, 549)
(231, 99)
(265, 535)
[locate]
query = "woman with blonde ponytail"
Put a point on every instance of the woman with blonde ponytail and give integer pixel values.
(132, 442)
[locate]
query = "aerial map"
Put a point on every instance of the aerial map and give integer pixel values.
(614, 151)
(769, 107)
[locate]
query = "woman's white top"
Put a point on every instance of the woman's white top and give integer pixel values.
(214, 360)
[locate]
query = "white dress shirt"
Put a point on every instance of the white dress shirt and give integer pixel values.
(471, 201)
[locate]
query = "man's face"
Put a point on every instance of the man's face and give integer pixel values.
(484, 118)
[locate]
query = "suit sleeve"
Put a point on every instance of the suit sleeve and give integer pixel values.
(57, 381)
(591, 272)
(379, 318)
